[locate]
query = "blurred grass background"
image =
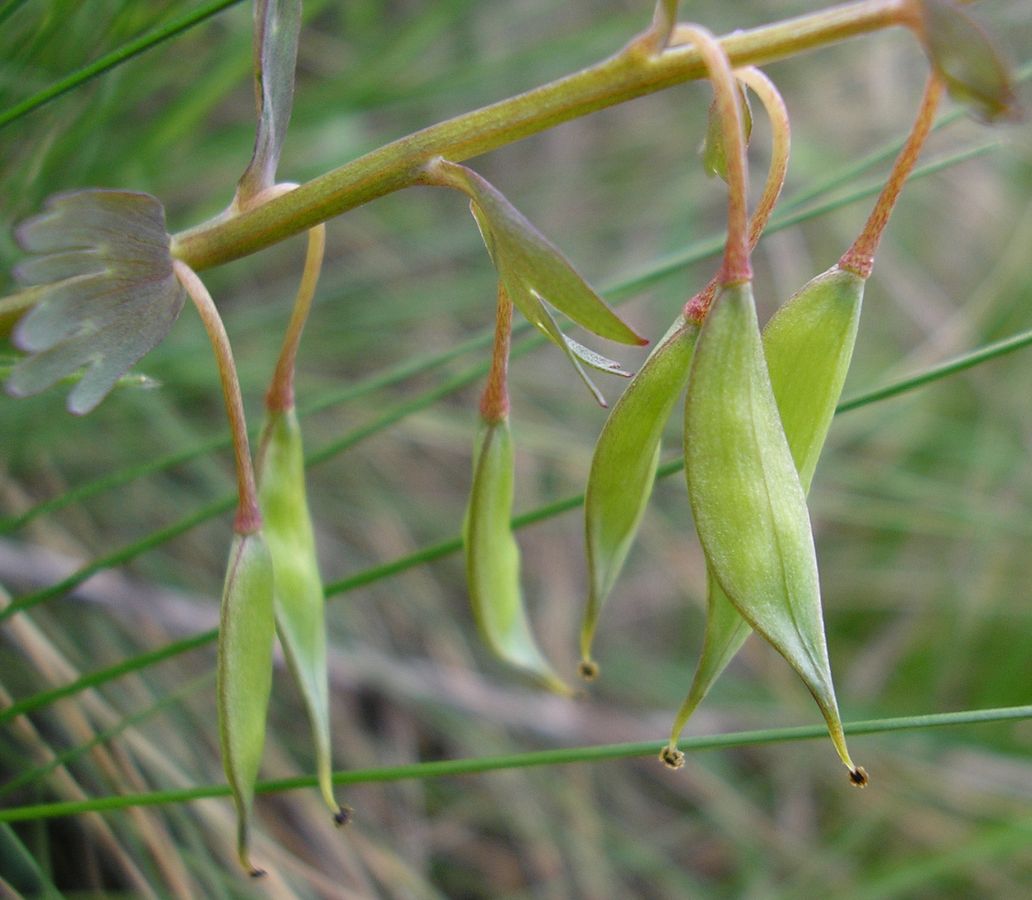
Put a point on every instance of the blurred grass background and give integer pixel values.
(921, 505)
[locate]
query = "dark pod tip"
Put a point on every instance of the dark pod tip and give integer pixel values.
(671, 757)
(588, 669)
(858, 777)
(342, 816)
(257, 873)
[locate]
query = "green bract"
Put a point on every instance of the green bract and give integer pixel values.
(535, 273)
(493, 558)
(299, 600)
(101, 288)
(808, 344)
(244, 673)
(748, 503)
(623, 469)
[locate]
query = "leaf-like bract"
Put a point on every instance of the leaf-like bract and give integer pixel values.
(535, 274)
(103, 290)
(277, 27)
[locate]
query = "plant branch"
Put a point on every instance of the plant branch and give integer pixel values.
(630, 73)
(559, 756)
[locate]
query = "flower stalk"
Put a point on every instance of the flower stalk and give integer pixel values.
(248, 518)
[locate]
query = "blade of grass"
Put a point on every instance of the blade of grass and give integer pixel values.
(110, 60)
(554, 757)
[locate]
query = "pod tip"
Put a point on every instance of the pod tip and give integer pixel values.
(342, 816)
(588, 669)
(671, 757)
(255, 872)
(858, 777)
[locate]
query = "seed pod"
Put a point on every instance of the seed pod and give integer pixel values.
(299, 600)
(623, 469)
(748, 503)
(808, 344)
(493, 559)
(244, 673)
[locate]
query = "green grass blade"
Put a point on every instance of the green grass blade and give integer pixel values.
(554, 757)
(109, 60)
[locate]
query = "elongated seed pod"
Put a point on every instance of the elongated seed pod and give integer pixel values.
(493, 559)
(299, 601)
(748, 503)
(623, 469)
(244, 673)
(808, 344)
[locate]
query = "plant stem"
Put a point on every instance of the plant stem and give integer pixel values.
(494, 402)
(859, 258)
(633, 72)
(735, 267)
(248, 517)
(280, 395)
(781, 134)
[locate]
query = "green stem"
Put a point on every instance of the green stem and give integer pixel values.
(633, 72)
(559, 756)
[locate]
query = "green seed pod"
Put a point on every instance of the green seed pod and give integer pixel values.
(808, 344)
(493, 559)
(244, 673)
(299, 600)
(748, 503)
(623, 469)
